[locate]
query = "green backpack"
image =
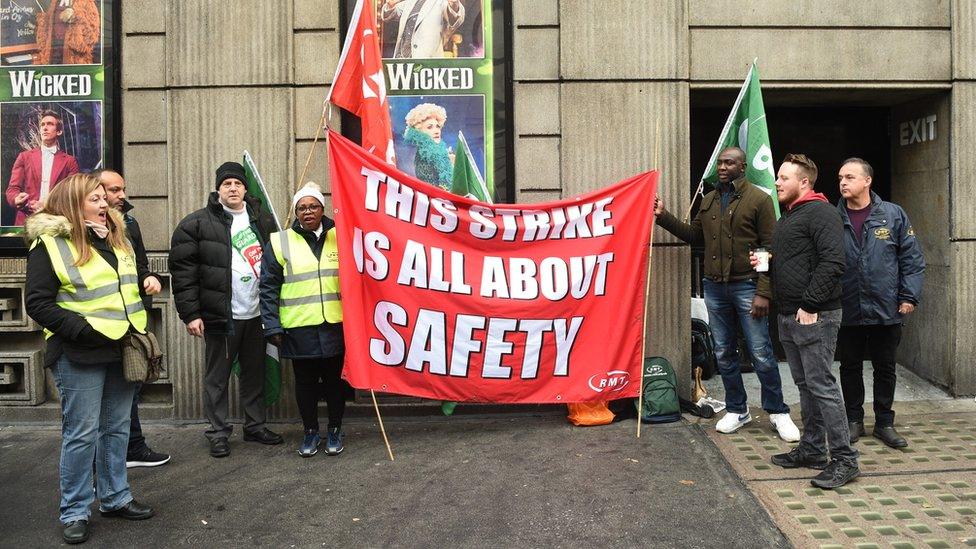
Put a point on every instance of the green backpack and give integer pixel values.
(660, 403)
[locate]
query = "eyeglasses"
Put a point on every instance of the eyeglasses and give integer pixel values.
(312, 208)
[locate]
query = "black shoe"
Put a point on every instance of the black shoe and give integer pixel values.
(76, 532)
(889, 436)
(219, 448)
(145, 458)
(857, 430)
(131, 511)
(264, 436)
(796, 458)
(837, 474)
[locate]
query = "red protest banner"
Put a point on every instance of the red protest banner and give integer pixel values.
(447, 298)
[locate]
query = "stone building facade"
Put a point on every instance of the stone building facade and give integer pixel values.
(204, 79)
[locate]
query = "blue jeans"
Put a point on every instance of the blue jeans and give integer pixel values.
(728, 304)
(95, 404)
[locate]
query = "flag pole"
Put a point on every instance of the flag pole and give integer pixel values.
(327, 105)
(718, 144)
(311, 150)
(382, 429)
(647, 286)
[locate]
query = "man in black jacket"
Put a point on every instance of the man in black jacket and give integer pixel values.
(882, 285)
(215, 265)
(806, 266)
(139, 454)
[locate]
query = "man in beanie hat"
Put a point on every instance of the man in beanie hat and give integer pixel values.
(215, 264)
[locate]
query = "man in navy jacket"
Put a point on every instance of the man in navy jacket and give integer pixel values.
(882, 285)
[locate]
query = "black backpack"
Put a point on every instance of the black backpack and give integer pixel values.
(660, 403)
(703, 348)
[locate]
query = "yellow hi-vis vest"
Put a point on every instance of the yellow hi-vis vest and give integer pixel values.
(310, 292)
(108, 300)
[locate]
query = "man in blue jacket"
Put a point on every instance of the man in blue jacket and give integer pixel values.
(882, 285)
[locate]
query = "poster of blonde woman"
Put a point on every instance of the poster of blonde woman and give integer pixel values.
(426, 132)
(441, 80)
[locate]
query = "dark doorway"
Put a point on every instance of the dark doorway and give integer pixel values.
(828, 135)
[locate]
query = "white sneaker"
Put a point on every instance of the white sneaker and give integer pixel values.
(785, 427)
(732, 422)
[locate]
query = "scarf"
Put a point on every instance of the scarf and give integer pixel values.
(432, 163)
(101, 231)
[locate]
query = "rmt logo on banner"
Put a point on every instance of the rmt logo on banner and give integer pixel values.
(432, 268)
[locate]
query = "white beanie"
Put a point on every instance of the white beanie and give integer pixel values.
(310, 189)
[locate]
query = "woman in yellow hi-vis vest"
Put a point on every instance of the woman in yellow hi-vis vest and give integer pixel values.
(301, 313)
(83, 287)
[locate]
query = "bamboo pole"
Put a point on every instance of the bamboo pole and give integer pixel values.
(691, 204)
(311, 150)
(647, 284)
(382, 429)
(323, 121)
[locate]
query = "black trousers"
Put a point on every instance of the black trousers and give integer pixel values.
(247, 346)
(137, 441)
(881, 343)
(309, 388)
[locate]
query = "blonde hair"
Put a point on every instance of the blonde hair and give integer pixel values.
(67, 199)
(423, 111)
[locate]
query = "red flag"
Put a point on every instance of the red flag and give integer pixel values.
(448, 298)
(358, 85)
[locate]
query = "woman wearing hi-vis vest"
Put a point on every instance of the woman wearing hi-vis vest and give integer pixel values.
(301, 313)
(83, 287)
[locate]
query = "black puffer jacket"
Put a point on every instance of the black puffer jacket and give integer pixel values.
(808, 257)
(200, 262)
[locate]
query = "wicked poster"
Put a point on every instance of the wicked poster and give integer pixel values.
(52, 99)
(438, 59)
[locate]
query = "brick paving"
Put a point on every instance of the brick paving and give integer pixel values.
(921, 496)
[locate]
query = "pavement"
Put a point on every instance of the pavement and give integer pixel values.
(512, 480)
(923, 496)
(527, 479)
(908, 386)
(920, 496)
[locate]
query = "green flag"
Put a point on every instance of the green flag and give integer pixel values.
(272, 365)
(746, 129)
(467, 180)
(255, 186)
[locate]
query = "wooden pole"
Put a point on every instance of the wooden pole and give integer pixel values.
(691, 204)
(308, 159)
(382, 429)
(647, 285)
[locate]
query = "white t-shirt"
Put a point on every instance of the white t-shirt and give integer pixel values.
(245, 266)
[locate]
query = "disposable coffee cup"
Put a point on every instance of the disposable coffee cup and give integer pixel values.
(763, 256)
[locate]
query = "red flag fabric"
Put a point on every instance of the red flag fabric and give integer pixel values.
(447, 298)
(358, 85)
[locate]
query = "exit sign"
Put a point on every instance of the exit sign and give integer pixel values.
(917, 131)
